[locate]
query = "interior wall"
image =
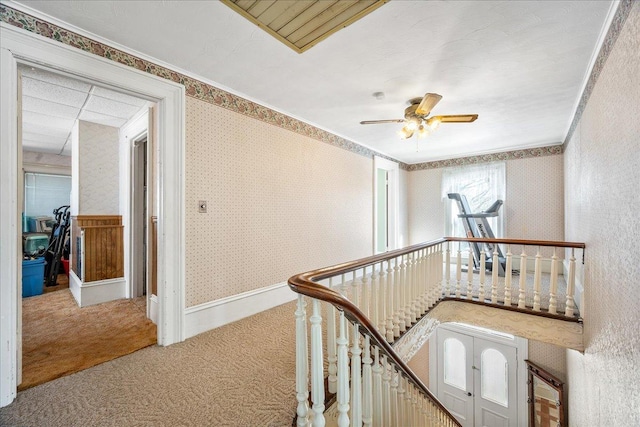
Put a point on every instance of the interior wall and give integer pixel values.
(533, 203)
(602, 182)
(97, 174)
(46, 160)
(279, 203)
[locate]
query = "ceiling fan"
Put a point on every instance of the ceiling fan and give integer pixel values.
(416, 117)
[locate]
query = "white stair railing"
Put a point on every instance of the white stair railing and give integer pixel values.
(371, 302)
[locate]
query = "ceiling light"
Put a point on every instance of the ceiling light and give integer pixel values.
(413, 123)
(405, 132)
(433, 123)
(423, 131)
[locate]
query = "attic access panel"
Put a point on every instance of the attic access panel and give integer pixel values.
(301, 24)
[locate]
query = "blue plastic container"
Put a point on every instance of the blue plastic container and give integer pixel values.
(32, 277)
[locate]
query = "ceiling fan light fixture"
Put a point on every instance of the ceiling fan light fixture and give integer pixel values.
(423, 131)
(413, 123)
(405, 132)
(433, 123)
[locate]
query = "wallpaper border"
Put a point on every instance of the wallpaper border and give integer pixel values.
(487, 158)
(617, 23)
(216, 96)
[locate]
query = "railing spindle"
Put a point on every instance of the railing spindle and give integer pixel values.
(495, 267)
(447, 271)
(553, 285)
(332, 356)
(570, 305)
(381, 300)
(377, 389)
(483, 271)
(507, 277)
(398, 313)
(470, 274)
(537, 275)
(302, 367)
(390, 302)
(394, 397)
(367, 386)
(523, 279)
(342, 395)
(458, 270)
(386, 388)
(356, 378)
(317, 368)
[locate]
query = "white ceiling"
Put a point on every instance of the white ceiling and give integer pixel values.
(520, 65)
(51, 103)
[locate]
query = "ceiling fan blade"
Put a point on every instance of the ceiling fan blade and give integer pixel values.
(428, 102)
(458, 118)
(375, 122)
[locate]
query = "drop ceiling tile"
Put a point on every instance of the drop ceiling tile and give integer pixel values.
(117, 96)
(38, 105)
(102, 119)
(53, 137)
(52, 92)
(56, 79)
(46, 121)
(109, 107)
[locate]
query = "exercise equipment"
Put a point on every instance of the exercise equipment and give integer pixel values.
(57, 243)
(477, 225)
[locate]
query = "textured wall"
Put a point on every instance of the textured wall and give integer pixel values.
(279, 203)
(419, 363)
(602, 187)
(533, 203)
(98, 178)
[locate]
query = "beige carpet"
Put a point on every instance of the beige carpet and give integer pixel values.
(60, 338)
(242, 374)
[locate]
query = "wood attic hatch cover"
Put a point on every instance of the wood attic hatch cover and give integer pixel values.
(304, 23)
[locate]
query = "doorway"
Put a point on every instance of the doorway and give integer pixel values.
(17, 46)
(386, 205)
(475, 375)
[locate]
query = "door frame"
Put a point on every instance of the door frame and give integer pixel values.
(20, 46)
(393, 201)
(521, 345)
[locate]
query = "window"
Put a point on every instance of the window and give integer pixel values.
(482, 185)
(45, 192)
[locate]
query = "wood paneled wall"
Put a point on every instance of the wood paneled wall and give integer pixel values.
(103, 239)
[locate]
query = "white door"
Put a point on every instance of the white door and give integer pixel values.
(455, 376)
(495, 396)
(477, 379)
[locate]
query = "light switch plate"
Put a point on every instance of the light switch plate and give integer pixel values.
(202, 206)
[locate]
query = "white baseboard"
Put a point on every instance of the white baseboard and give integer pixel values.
(203, 317)
(91, 293)
(152, 311)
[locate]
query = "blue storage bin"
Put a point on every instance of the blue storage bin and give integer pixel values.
(32, 277)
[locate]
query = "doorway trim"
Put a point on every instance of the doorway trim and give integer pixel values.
(18, 46)
(522, 348)
(393, 203)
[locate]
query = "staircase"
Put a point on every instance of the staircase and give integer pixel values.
(376, 312)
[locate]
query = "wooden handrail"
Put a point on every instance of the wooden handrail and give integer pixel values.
(552, 243)
(307, 284)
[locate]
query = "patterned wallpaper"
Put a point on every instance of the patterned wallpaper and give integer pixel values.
(279, 203)
(602, 197)
(533, 202)
(98, 177)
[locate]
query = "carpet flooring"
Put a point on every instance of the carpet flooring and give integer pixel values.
(60, 338)
(241, 374)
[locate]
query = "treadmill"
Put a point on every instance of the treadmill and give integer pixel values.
(477, 225)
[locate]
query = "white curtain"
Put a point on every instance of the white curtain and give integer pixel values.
(482, 185)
